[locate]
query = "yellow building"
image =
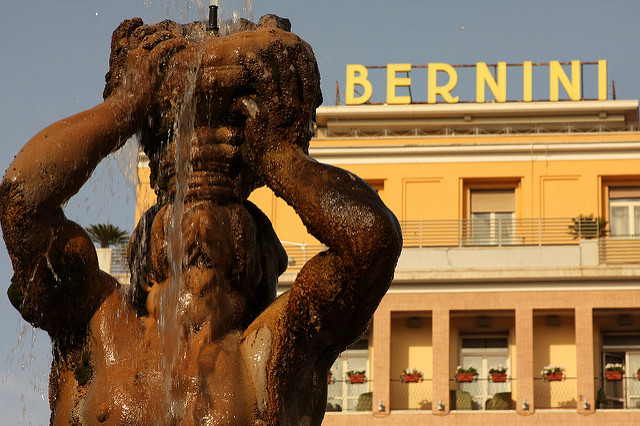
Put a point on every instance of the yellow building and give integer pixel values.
(498, 266)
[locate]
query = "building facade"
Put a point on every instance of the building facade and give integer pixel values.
(521, 227)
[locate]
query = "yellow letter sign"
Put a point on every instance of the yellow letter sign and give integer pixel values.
(393, 82)
(556, 73)
(361, 80)
(432, 83)
(483, 75)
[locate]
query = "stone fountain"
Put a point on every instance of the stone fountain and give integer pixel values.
(198, 337)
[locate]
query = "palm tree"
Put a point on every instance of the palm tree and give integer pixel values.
(107, 234)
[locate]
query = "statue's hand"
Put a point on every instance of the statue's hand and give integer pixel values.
(146, 65)
(278, 92)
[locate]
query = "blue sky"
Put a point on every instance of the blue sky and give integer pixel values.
(54, 57)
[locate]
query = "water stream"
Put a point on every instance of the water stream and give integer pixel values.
(172, 303)
(173, 334)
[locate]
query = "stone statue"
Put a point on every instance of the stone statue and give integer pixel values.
(242, 356)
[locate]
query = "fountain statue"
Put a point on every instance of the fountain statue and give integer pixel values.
(198, 337)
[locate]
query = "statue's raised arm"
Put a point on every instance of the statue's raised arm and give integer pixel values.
(336, 292)
(57, 284)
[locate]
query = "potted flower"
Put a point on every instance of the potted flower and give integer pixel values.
(553, 373)
(498, 373)
(638, 373)
(613, 371)
(329, 377)
(411, 375)
(466, 374)
(355, 376)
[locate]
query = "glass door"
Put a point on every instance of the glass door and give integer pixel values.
(483, 353)
(632, 381)
(613, 389)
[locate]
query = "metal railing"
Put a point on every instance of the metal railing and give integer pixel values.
(119, 262)
(342, 395)
(498, 232)
(524, 128)
(411, 396)
(623, 394)
(482, 394)
(474, 233)
(560, 394)
(619, 250)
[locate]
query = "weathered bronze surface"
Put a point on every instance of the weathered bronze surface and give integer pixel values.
(241, 355)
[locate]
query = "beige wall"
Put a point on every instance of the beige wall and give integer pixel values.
(555, 345)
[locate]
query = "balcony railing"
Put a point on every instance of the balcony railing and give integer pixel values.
(620, 394)
(620, 250)
(499, 232)
(496, 233)
(523, 128)
(411, 396)
(343, 395)
(483, 394)
(561, 394)
(473, 233)
(119, 262)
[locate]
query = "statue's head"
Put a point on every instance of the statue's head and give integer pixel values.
(252, 90)
(256, 86)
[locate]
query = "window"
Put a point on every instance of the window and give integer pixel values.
(484, 352)
(492, 213)
(624, 211)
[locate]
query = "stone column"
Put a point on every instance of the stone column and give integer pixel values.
(381, 360)
(441, 361)
(584, 349)
(524, 358)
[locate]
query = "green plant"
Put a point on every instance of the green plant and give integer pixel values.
(469, 369)
(107, 234)
(587, 227)
(498, 369)
(355, 372)
(601, 398)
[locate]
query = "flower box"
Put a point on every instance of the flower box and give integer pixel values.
(556, 376)
(329, 379)
(411, 378)
(613, 375)
(465, 377)
(638, 375)
(356, 378)
(498, 377)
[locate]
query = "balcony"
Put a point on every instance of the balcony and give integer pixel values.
(516, 242)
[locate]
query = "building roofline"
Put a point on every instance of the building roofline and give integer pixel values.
(461, 110)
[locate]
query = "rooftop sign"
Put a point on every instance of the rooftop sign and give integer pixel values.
(358, 77)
